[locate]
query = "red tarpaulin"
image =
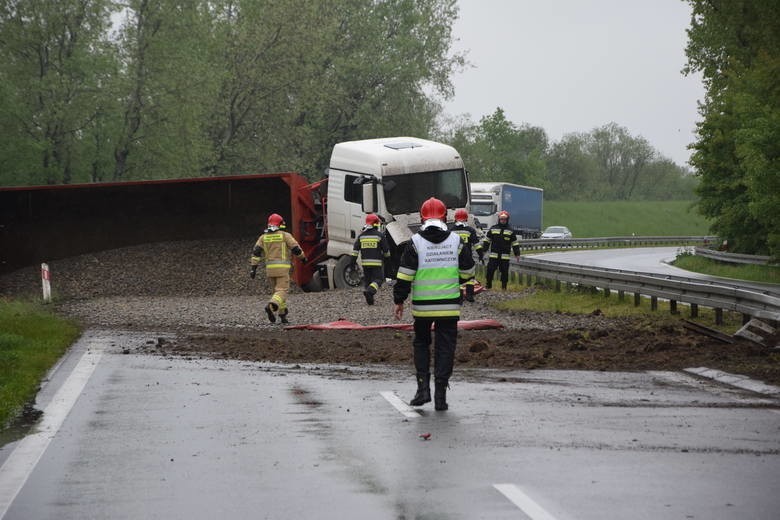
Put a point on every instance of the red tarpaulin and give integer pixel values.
(351, 325)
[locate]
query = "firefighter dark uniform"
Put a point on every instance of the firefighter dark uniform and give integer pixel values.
(276, 246)
(471, 241)
(372, 248)
(501, 241)
(433, 265)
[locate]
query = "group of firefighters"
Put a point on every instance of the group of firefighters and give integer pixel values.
(437, 260)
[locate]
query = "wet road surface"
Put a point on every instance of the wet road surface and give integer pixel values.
(653, 260)
(150, 437)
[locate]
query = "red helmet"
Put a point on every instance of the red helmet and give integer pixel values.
(503, 214)
(433, 208)
(372, 219)
(461, 215)
(274, 219)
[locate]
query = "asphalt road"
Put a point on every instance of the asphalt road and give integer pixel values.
(654, 260)
(133, 436)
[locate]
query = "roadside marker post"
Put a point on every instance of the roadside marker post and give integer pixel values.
(46, 282)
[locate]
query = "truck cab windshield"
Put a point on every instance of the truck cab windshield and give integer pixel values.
(482, 209)
(405, 193)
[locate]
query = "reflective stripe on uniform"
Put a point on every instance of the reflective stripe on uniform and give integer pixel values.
(404, 273)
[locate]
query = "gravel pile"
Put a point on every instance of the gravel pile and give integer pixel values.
(205, 284)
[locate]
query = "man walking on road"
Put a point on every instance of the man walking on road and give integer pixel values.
(275, 245)
(433, 265)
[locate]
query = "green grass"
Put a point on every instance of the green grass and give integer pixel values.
(31, 341)
(573, 300)
(622, 218)
(753, 273)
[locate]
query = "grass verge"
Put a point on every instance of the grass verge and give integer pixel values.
(31, 341)
(580, 300)
(753, 273)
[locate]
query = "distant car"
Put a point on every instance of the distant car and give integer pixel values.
(557, 232)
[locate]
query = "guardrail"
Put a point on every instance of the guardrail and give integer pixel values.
(764, 304)
(626, 241)
(732, 258)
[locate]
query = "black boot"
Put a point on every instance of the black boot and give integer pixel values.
(369, 296)
(440, 394)
(283, 316)
(269, 310)
(423, 394)
(469, 292)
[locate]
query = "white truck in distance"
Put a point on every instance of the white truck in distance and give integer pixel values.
(523, 203)
(391, 177)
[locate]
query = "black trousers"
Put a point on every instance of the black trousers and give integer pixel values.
(373, 278)
(502, 266)
(445, 334)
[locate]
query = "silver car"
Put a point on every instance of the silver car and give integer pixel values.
(557, 232)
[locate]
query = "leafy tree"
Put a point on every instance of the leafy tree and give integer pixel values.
(165, 90)
(736, 46)
(55, 61)
(386, 63)
(497, 150)
(621, 158)
(572, 171)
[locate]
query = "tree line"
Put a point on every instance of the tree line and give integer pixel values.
(101, 90)
(105, 90)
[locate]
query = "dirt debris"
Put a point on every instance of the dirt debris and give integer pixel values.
(198, 293)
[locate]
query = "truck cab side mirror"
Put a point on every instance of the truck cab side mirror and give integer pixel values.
(369, 196)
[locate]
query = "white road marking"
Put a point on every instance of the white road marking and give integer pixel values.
(21, 462)
(524, 502)
(399, 405)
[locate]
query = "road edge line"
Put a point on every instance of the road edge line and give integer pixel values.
(22, 461)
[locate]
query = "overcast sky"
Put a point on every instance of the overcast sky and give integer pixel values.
(574, 65)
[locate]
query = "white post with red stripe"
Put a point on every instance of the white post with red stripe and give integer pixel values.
(46, 282)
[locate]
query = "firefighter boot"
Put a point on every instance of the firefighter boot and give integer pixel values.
(269, 310)
(469, 292)
(440, 394)
(283, 315)
(369, 296)
(423, 394)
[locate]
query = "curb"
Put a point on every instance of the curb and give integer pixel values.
(739, 381)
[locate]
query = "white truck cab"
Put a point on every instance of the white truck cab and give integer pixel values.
(391, 177)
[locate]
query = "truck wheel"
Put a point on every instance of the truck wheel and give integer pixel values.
(346, 276)
(313, 285)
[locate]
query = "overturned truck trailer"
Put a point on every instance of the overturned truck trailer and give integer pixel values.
(390, 177)
(43, 223)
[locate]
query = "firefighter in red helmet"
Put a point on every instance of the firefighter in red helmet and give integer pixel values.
(470, 240)
(501, 241)
(433, 265)
(277, 246)
(372, 248)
